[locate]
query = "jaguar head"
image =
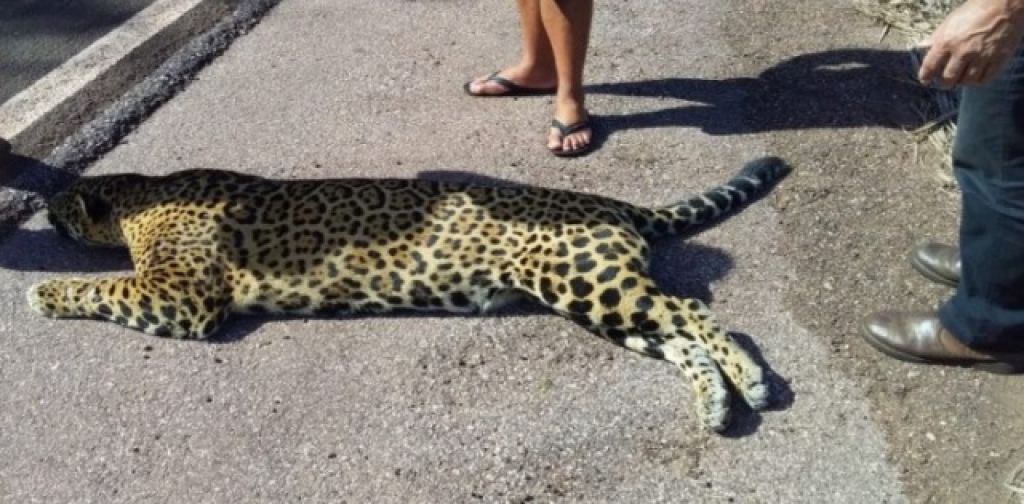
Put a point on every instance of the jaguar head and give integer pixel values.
(87, 212)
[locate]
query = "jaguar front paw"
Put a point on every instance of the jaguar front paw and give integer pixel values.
(45, 298)
(56, 298)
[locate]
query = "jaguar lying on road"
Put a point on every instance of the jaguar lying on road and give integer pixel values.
(206, 244)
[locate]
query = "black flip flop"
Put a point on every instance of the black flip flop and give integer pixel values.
(568, 129)
(511, 88)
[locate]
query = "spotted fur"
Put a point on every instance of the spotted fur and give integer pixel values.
(207, 244)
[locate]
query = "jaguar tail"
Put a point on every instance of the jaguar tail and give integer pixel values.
(754, 181)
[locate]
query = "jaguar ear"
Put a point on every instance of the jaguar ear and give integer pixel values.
(96, 208)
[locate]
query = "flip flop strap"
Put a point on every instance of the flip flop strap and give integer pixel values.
(569, 129)
(509, 86)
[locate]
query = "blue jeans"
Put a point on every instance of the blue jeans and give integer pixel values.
(987, 311)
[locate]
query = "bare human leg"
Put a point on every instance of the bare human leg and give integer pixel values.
(536, 67)
(567, 24)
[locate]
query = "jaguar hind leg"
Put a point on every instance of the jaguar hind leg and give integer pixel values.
(634, 313)
(712, 395)
(745, 374)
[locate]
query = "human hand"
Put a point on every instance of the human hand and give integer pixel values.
(973, 43)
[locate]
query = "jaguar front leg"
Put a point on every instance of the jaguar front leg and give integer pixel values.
(190, 309)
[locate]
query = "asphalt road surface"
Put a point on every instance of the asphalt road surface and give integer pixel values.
(37, 36)
(519, 407)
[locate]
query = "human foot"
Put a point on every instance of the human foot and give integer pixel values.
(937, 262)
(571, 133)
(515, 81)
(920, 337)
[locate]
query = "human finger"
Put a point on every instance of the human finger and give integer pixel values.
(934, 61)
(956, 67)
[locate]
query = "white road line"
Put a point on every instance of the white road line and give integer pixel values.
(32, 104)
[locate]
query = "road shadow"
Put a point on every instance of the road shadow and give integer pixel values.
(33, 175)
(466, 177)
(45, 250)
(847, 88)
(745, 420)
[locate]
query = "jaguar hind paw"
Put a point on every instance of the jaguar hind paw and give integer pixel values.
(757, 395)
(714, 410)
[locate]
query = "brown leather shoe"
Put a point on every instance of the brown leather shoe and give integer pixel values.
(937, 262)
(920, 337)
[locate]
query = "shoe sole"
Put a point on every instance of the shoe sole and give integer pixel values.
(521, 92)
(576, 153)
(1010, 367)
(930, 274)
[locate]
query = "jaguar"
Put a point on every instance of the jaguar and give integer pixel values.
(206, 244)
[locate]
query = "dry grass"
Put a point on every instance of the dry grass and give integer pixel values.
(915, 17)
(915, 20)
